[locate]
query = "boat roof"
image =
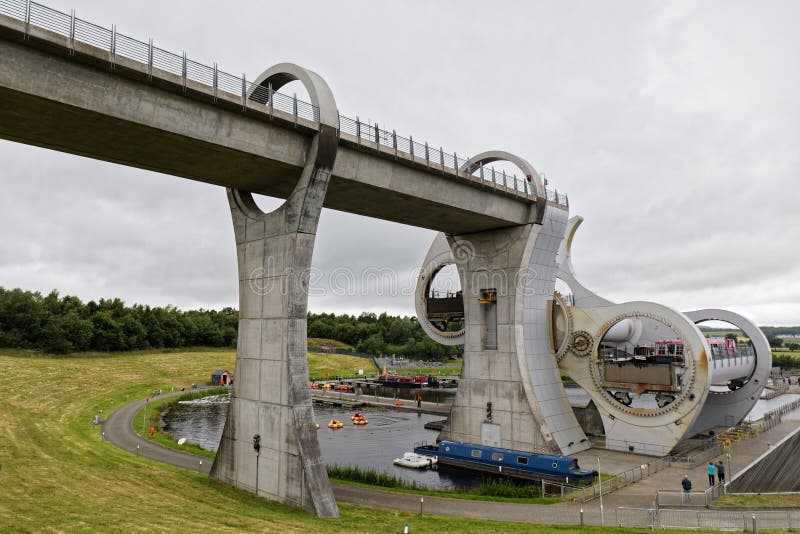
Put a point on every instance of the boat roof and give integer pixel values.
(509, 451)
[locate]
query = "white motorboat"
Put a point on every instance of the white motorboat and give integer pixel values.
(415, 461)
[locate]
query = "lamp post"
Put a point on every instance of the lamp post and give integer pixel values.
(257, 448)
(600, 478)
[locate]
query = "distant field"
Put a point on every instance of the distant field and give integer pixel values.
(721, 333)
(322, 366)
(316, 344)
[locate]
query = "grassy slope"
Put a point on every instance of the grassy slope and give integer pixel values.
(58, 475)
(337, 365)
(758, 500)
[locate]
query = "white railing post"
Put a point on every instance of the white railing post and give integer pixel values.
(455, 162)
(72, 32)
(494, 178)
(216, 80)
(113, 49)
(481, 173)
(394, 142)
(377, 137)
(150, 60)
(505, 183)
(441, 157)
(294, 108)
(270, 99)
(358, 130)
(27, 18)
(244, 92)
(427, 155)
(411, 145)
(184, 71)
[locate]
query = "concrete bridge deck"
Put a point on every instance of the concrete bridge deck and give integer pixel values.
(61, 93)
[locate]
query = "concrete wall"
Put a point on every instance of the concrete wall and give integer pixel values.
(589, 419)
(775, 470)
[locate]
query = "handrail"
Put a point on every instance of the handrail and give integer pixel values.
(122, 46)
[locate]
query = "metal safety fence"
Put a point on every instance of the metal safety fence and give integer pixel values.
(736, 520)
(620, 480)
(119, 46)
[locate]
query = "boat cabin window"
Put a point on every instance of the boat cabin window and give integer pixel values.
(447, 449)
(555, 464)
(497, 457)
(522, 460)
(476, 453)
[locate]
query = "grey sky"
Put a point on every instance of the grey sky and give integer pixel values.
(673, 127)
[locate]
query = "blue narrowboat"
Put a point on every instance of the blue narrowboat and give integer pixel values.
(519, 464)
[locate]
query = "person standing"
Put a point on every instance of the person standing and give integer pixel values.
(712, 470)
(687, 489)
(721, 472)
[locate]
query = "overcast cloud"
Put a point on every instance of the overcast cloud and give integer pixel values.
(673, 127)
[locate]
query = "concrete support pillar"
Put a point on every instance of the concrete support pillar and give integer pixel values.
(510, 393)
(271, 397)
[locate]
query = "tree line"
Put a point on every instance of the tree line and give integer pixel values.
(56, 324)
(379, 335)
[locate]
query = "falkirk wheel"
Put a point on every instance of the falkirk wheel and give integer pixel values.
(650, 372)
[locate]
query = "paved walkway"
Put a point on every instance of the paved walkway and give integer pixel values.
(433, 408)
(118, 429)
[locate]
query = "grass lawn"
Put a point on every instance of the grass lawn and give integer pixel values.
(333, 365)
(758, 500)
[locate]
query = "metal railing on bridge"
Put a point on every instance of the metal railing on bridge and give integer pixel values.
(119, 46)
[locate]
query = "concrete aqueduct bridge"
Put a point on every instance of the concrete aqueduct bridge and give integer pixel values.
(71, 86)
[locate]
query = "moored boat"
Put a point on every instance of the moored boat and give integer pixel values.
(402, 381)
(415, 461)
(518, 464)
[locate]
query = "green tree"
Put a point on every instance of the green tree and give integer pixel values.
(374, 345)
(108, 335)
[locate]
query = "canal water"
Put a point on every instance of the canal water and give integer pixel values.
(388, 435)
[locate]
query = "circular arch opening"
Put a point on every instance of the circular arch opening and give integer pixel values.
(502, 168)
(733, 356)
(444, 299)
